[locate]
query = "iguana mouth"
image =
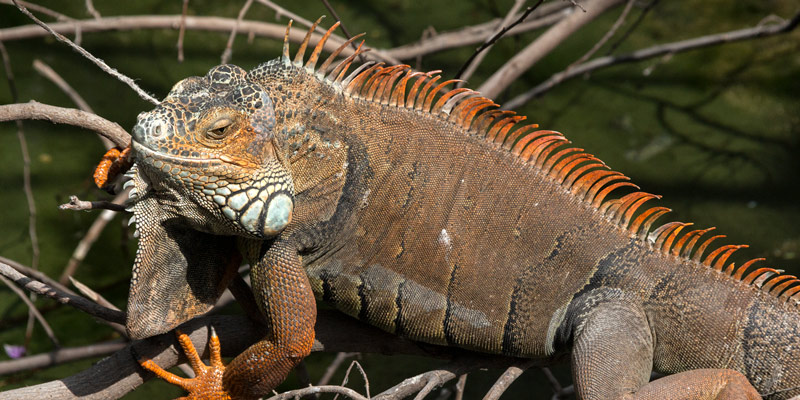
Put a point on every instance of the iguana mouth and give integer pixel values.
(158, 157)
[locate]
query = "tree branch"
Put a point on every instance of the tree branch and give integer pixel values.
(60, 356)
(477, 34)
(118, 374)
(541, 47)
(69, 116)
(212, 24)
(100, 63)
(655, 51)
(62, 297)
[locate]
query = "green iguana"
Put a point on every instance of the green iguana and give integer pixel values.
(436, 216)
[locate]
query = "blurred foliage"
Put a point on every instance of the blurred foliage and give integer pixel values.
(716, 131)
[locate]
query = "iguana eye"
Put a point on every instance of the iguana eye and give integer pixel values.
(219, 129)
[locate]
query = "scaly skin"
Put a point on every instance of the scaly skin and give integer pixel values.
(436, 218)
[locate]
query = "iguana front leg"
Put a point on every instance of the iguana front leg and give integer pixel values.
(612, 358)
(284, 295)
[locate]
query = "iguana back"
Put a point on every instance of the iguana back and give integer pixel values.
(433, 215)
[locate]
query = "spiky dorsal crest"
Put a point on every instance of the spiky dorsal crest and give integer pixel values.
(585, 176)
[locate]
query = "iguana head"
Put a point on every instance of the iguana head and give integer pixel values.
(206, 171)
(212, 139)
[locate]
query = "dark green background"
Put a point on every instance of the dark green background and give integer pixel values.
(716, 131)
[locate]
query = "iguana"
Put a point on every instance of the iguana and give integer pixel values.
(437, 216)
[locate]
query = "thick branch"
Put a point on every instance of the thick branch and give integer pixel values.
(213, 24)
(541, 47)
(62, 297)
(69, 116)
(119, 373)
(655, 51)
(59, 356)
(475, 34)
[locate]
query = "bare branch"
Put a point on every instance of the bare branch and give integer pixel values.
(100, 63)
(94, 231)
(38, 275)
(472, 35)
(76, 204)
(60, 356)
(542, 46)
(91, 10)
(346, 35)
(92, 295)
(118, 374)
(655, 51)
(213, 24)
(37, 8)
(34, 311)
(226, 55)
(607, 36)
(334, 365)
(649, 6)
(65, 87)
(312, 390)
(460, 386)
(504, 381)
(69, 116)
(182, 30)
(26, 184)
(54, 77)
(78, 302)
(495, 37)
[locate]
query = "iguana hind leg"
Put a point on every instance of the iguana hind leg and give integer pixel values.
(612, 358)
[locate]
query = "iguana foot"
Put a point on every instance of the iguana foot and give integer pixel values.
(207, 384)
(113, 163)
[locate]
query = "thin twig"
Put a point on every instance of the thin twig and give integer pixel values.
(31, 202)
(226, 54)
(554, 383)
(540, 47)
(334, 365)
(346, 34)
(69, 116)
(32, 307)
(379, 54)
(607, 36)
(655, 51)
(212, 24)
(182, 30)
(633, 26)
(82, 249)
(60, 356)
(100, 63)
(312, 390)
(469, 69)
(461, 385)
(54, 77)
(37, 8)
(78, 302)
(92, 11)
(38, 275)
(91, 294)
(497, 35)
(76, 204)
(475, 34)
(506, 379)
